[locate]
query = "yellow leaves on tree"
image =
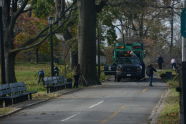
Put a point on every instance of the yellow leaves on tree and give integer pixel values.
(27, 27)
(20, 38)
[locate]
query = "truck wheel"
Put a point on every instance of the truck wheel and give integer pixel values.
(138, 78)
(142, 77)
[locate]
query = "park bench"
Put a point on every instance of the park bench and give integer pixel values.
(56, 83)
(13, 93)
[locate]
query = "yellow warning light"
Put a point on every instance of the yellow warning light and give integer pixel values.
(120, 47)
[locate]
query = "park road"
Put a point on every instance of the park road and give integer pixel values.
(126, 102)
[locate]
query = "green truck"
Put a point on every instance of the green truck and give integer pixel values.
(127, 61)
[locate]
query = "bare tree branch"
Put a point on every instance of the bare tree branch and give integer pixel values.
(18, 12)
(101, 5)
(29, 44)
(42, 34)
(117, 4)
(21, 9)
(14, 5)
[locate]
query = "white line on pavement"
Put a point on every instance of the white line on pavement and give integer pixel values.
(92, 106)
(70, 117)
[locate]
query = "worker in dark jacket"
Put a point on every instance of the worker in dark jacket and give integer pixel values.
(41, 75)
(150, 72)
(160, 62)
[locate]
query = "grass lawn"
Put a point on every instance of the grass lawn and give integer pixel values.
(6, 110)
(171, 109)
(28, 73)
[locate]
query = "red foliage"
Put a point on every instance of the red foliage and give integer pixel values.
(27, 27)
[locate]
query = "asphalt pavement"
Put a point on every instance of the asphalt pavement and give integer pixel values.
(126, 102)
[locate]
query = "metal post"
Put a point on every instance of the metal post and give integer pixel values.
(51, 52)
(172, 28)
(184, 80)
(123, 36)
(51, 21)
(2, 46)
(99, 69)
(183, 116)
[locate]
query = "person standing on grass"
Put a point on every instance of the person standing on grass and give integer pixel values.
(77, 76)
(160, 62)
(41, 75)
(150, 72)
(173, 63)
(56, 71)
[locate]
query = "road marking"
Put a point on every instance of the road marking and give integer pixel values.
(114, 114)
(144, 90)
(70, 117)
(92, 106)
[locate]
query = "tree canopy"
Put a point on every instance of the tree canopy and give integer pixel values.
(26, 27)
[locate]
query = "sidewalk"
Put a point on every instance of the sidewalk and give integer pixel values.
(19, 106)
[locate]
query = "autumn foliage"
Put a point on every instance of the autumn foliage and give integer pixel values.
(27, 27)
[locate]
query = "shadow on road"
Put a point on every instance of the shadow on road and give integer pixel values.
(146, 79)
(133, 83)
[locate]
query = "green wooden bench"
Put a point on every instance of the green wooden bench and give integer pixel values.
(13, 93)
(56, 83)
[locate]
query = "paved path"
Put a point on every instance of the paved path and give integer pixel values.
(126, 102)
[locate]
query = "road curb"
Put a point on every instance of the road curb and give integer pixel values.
(156, 110)
(19, 109)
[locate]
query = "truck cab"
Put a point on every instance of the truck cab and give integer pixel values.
(129, 67)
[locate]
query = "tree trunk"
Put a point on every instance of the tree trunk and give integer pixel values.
(60, 8)
(9, 57)
(87, 40)
(73, 59)
(10, 67)
(8, 44)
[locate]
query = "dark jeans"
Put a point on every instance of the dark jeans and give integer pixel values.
(174, 66)
(41, 79)
(56, 73)
(150, 80)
